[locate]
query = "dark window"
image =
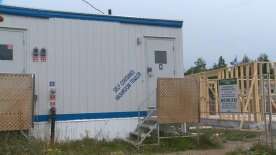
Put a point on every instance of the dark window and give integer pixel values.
(6, 52)
(160, 57)
(35, 52)
(43, 52)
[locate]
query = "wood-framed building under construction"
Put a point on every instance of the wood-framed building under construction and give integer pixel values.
(252, 78)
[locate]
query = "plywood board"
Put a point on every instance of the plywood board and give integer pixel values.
(16, 95)
(178, 100)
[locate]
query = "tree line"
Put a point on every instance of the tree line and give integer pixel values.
(201, 66)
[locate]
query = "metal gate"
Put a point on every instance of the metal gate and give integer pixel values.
(16, 98)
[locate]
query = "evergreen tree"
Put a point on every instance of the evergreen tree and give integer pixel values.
(234, 62)
(221, 63)
(215, 66)
(200, 66)
(263, 58)
(245, 59)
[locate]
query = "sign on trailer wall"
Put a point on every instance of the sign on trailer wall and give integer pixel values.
(228, 91)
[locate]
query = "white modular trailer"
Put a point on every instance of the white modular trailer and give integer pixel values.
(103, 68)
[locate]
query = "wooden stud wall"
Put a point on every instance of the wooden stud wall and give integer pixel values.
(250, 95)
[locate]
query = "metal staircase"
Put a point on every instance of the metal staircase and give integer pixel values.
(146, 125)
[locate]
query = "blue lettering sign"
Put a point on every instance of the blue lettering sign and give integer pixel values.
(125, 84)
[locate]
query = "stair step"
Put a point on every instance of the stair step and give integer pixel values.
(133, 138)
(151, 120)
(144, 129)
(136, 134)
(148, 126)
(151, 107)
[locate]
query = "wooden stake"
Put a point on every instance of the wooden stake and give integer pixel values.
(242, 88)
(256, 95)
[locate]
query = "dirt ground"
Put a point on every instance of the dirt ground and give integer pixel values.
(228, 147)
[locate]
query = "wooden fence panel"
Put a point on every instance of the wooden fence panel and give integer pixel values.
(16, 96)
(178, 100)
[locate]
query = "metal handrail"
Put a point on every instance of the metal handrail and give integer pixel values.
(148, 114)
(142, 105)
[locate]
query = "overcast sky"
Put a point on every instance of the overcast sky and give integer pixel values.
(211, 27)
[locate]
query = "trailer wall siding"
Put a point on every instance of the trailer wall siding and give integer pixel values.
(87, 59)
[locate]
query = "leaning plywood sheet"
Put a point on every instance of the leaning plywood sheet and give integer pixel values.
(16, 94)
(178, 100)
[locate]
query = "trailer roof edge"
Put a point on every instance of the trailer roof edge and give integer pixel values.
(39, 13)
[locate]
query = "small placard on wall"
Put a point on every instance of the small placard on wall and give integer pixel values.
(52, 83)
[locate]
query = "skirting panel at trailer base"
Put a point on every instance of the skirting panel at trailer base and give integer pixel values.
(98, 129)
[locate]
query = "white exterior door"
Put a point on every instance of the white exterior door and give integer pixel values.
(12, 51)
(160, 57)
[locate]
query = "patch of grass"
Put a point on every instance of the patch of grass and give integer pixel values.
(239, 135)
(91, 146)
(15, 143)
(230, 135)
(182, 144)
(255, 150)
(170, 145)
(209, 142)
